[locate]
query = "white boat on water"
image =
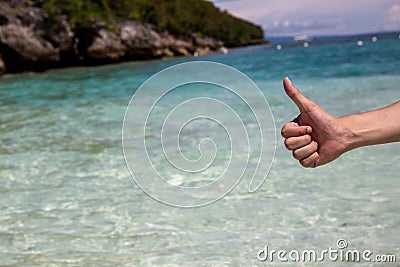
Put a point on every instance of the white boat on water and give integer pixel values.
(302, 38)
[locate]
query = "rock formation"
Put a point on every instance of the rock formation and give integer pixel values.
(31, 41)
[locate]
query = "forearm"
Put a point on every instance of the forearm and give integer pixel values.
(373, 127)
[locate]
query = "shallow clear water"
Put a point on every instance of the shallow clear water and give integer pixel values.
(67, 198)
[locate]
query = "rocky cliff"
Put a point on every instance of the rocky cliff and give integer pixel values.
(30, 40)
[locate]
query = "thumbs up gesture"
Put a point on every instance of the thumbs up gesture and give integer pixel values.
(315, 137)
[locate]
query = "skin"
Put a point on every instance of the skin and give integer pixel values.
(317, 138)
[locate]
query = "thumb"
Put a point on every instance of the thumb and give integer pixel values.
(298, 98)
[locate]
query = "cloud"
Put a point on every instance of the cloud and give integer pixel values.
(292, 28)
(316, 17)
(393, 19)
(394, 12)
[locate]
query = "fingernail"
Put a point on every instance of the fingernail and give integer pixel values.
(309, 129)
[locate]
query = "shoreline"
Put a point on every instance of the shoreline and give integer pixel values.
(61, 68)
(37, 36)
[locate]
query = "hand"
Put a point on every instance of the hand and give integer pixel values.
(316, 137)
(299, 140)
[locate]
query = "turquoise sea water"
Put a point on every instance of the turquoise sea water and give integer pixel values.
(67, 198)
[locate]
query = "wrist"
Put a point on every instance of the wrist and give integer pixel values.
(354, 135)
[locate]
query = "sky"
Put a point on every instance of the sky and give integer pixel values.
(317, 17)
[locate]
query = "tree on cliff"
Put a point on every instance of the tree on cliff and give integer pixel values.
(41, 34)
(179, 17)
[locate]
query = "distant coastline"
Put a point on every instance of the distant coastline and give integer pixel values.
(39, 35)
(321, 39)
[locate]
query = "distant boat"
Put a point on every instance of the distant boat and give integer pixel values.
(302, 38)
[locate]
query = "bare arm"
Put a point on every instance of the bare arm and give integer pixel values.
(374, 127)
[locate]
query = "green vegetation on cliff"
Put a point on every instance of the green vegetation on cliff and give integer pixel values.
(179, 17)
